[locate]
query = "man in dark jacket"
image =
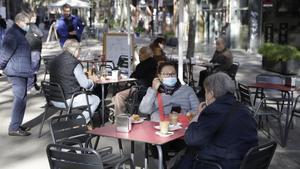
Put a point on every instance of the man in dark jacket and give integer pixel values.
(69, 26)
(144, 73)
(223, 130)
(15, 60)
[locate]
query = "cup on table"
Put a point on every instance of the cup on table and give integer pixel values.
(190, 115)
(173, 118)
(164, 127)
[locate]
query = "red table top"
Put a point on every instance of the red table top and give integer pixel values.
(273, 86)
(143, 132)
(108, 81)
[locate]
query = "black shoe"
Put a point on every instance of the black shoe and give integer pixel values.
(19, 133)
(25, 128)
(37, 87)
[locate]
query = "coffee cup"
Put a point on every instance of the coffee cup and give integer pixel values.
(173, 118)
(164, 127)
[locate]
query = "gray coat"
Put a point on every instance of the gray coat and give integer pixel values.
(15, 53)
(184, 97)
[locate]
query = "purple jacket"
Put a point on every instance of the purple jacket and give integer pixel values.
(63, 29)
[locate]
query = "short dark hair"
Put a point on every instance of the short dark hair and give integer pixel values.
(66, 6)
(163, 64)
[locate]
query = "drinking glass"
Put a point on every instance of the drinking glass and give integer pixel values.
(164, 127)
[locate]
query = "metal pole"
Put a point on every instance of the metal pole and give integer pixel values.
(180, 42)
(129, 36)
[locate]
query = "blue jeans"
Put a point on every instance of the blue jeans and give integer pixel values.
(80, 100)
(35, 66)
(19, 87)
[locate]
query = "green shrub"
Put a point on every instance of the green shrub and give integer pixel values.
(276, 52)
(139, 29)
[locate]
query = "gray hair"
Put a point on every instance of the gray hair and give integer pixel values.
(71, 45)
(20, 17)
(144, 53)
(219, 83)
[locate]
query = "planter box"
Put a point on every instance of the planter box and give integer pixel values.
(290, 67)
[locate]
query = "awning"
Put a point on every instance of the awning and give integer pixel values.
(72, 3)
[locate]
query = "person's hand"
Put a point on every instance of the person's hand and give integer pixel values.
(201, 106)
(72, 33)
(155, 83)
(93, 78)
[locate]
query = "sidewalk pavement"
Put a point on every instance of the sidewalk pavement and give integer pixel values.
(29, 152)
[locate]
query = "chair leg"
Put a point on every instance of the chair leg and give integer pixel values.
(43, 121)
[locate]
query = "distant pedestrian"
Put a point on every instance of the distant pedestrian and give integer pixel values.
(2, 28)
(15, 60)
(34, 37)
(68, 26)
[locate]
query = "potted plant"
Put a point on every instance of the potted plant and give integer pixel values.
(138, 30)
(283, 59)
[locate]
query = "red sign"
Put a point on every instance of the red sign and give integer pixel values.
(267, 3)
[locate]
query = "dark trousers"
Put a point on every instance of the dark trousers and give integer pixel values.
(19, 87)
(35, 65)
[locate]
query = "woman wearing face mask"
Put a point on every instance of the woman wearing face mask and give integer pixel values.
(224, 130)
(171, 91)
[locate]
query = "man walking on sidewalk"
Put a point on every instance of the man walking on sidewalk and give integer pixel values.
(15, 60)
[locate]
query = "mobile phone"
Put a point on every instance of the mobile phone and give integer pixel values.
(176, 109)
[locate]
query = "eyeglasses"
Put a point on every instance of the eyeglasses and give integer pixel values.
(169, 74)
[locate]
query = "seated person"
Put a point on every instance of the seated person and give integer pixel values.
(223, 57)
(67, 71)
(144, 73)
(157, 47)
(171, 91)
(223, 130)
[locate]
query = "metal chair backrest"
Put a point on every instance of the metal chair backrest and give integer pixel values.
(272, 79)
(233, 70)
(107, 68)
(259, 157)
(47, 60)
(110, 63)
(245, 94)
(53, 92)
(123, 64)
(66, 157)
(70, 126)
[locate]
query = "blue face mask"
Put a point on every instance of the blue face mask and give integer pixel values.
(169, 81)
(26, 28)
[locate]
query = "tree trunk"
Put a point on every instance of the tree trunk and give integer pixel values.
(192, 28)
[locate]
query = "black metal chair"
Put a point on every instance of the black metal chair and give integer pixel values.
(54, 92)
(136, 94)
(122, 64)
(262, 110)
(70, 129)
(259, 157)
(275, 96)
(233, 70)
(67, 157)
(295, 110)
(47, 60)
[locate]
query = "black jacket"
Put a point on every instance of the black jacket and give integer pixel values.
(145, 72)
(62, 72)
(34, 38)
(222, 145)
